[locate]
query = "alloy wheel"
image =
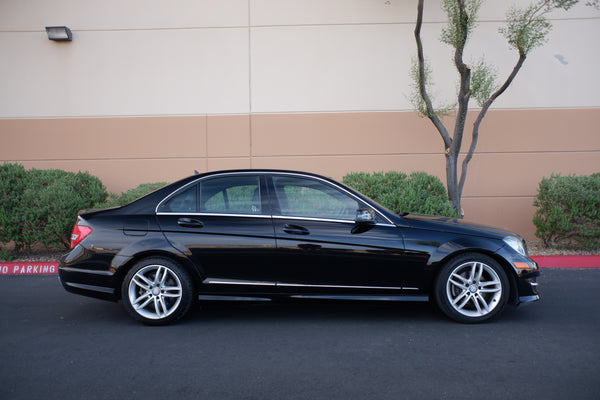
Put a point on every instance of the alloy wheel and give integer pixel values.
(155, 292)
(474, 289)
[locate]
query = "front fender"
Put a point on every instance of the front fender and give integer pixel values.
(463, 244)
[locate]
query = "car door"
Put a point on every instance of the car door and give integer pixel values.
(319, 243)
(223, 224)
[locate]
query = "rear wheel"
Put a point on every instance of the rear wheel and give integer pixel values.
(472, 288)
(157, 291)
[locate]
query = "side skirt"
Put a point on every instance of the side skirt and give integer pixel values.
(359, 297)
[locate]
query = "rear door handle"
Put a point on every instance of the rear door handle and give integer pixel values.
(190, 222)
(295, 230)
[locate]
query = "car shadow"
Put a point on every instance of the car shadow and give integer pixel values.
(312, 311)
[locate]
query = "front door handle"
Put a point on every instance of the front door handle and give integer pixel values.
(190, 223)
(295, 230)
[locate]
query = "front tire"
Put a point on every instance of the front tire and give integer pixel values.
(157, 291)
(472, 288)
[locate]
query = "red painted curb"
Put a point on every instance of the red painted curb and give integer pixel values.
(51, 267)
(28, 268)
(567, 261)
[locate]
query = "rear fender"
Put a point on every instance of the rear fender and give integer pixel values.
(131, 254)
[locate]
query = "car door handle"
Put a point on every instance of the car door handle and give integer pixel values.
(295, 230)
(190, 223)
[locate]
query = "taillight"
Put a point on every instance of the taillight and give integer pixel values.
(79, 233)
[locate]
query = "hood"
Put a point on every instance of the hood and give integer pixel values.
(454, 225)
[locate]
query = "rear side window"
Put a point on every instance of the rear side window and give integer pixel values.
(184, 202)
(231, 195)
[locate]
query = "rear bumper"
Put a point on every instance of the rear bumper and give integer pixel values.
(87, 283)
(81, 274)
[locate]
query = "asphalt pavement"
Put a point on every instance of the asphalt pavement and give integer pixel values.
(57, 345)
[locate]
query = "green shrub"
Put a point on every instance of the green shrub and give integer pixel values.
(418, 193)
(12, 185)
(42, 206)
(117, 200)
(568, 213)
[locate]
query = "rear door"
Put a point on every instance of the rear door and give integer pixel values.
(223, 224)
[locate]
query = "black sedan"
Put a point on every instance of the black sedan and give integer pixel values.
(269, 235)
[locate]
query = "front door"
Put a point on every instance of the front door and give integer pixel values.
(319, 243)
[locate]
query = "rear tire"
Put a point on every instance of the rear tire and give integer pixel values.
(157, 291)
(472, 288)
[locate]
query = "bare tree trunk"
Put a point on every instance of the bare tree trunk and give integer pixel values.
(452, 180)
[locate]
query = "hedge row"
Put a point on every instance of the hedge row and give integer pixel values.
(40, 206)
(568, 213)
(417, 193)
(117, 200)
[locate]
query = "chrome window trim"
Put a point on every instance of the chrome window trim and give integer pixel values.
(266, 216)
(258, 173)
(334, 185)
(266, 173)
(205, 214)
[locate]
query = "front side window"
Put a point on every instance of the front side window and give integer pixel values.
(231, 195)
(303, 197)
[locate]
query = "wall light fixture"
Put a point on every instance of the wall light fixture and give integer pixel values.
(59, 33)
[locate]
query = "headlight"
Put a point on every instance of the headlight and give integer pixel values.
(517, 244)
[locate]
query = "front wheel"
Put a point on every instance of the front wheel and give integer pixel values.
(472, 288)
(157, 291)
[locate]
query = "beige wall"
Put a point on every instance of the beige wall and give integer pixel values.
(212, 57)
(516, 149)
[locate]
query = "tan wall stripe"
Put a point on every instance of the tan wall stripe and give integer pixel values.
(516, 149)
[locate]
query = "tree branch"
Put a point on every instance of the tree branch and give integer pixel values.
(422, 89)
(481, 115)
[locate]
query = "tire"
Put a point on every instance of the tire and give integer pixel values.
(472, 288)
(157, 291)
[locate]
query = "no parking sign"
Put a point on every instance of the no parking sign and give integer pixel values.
(28, 268)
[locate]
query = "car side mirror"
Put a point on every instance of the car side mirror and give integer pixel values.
(365, 216)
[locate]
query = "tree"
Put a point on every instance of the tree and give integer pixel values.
(524, 29)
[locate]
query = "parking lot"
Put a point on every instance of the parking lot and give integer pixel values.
(58, 345)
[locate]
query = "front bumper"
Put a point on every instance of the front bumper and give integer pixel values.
(528, 288)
